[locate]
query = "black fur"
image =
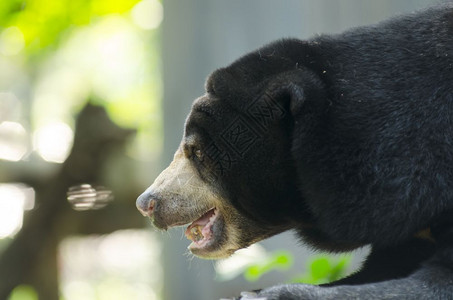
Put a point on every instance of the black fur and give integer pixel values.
(349, 140)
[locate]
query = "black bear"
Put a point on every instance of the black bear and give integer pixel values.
(347, 139)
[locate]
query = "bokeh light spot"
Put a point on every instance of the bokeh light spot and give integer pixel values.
(13, 141)
(148, 14)
(125, 264)
(14, 198)
(87, 197)
(11, 41)
(79, 290)
(10, 107)
(54, 141)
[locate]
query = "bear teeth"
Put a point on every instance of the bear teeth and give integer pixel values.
(196, 234)
(199, 231)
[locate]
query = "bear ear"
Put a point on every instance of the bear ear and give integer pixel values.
(293, 89)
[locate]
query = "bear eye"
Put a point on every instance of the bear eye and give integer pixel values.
(198, 154)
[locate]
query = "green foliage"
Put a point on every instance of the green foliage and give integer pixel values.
(23, 292)
(66, 51)
(281, 260)
(323, 269)
(43, 22)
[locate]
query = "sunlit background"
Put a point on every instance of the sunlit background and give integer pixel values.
(93, 96)
(55, 56)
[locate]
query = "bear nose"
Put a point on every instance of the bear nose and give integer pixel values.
(145, 204)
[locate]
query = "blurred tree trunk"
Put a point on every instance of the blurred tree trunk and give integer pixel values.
(31, 258)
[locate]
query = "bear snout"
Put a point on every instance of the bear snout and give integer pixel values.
(146, 204)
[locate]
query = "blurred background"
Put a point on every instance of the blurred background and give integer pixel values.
(93, 97)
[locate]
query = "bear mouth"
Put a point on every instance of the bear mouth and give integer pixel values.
(200, 231)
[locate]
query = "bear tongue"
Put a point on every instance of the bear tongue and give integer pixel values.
(198, 229)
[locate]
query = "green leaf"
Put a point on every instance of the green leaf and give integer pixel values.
(339, 270)
(320, 268)
(323, 269)
(280, 260)
(23, 292)
(253, 273)
(283, 259)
